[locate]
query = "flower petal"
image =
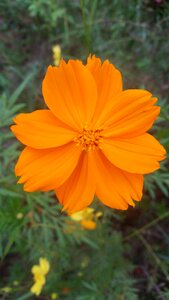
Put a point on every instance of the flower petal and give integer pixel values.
(41, 129)
(136, 155)
(70, 92)
(37, 287)
(114, 187)
(78, 191)
(131, 114)
(108, 80)
(44, 265)
(36, 269)
(133, 124)
(47, 169)
(125, 104)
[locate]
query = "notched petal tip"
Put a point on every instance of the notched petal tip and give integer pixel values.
(50, 68)
(28, 190)
(70, 85)
(121, 205)
(12, 128)
(17, 117)
(93, 57)
(154, 99)
(17, 170)
(15, 131)
(20, 180)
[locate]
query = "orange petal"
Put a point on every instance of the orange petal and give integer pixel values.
(41, 129)
(136, 155)
(114, 187)
(125, 105)
(78, 191)
(108, 80)
(70, 92)
(48, 168)
(133, 124)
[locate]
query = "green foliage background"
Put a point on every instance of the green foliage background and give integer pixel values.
(127, 256)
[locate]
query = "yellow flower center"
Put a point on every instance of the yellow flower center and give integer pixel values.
(89, 139)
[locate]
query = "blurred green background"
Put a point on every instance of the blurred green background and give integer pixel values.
(127, 256)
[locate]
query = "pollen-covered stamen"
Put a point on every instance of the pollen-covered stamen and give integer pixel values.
(89, 139)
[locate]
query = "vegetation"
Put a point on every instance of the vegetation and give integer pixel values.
(127, 256)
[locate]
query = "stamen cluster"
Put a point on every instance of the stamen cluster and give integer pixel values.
(89, 139)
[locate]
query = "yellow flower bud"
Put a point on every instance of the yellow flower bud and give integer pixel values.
(56, 49)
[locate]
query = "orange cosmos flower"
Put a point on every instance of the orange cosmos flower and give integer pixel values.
(92, 138)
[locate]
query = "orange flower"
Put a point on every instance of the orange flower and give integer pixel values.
(91, 140)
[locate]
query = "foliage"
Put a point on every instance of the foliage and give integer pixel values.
(126, 257)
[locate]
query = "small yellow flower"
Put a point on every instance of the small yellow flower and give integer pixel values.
(86, 218)
(6, 289)
(37, 288)
(19, 216)
(88, 224)
(15, 283)
(39, 272)
(85, 262)
(87, 213)
(56, 49)
(54, 296)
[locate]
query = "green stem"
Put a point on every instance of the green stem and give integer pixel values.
(155, 257)
(26, 296)
(86, 27)
(140, 230)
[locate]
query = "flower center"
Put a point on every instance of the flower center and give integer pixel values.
(89, 139)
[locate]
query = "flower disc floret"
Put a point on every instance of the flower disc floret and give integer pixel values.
(89, 139)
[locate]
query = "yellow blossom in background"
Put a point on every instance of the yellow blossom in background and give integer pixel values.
(86, 218)
(19, 216)
(85, 262)
(54, 296)
(15, 283)
(88, 224)
(6, 289)
(56, 49)
(80, 274)
(99, 214)
(85, 214)
(39, 272)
